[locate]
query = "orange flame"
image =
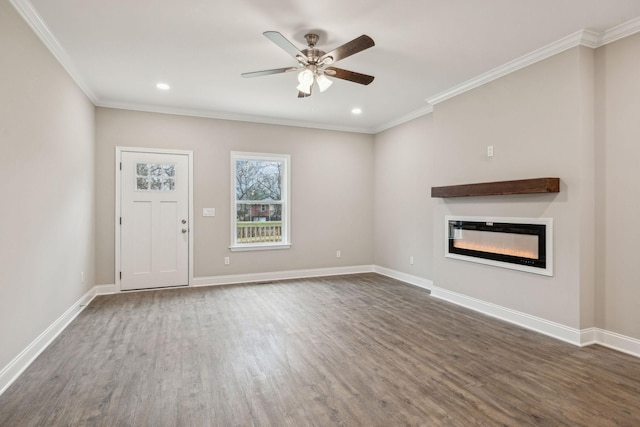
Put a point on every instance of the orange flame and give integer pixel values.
(472, 246)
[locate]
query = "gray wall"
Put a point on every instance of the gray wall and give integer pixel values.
(573, 116)
(47, 212)
(534, 121)
(403, 210)
(331, 194)
(618, 151)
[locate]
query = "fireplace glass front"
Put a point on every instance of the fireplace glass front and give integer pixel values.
(517, 243)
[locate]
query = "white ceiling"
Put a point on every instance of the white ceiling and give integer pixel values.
(425, 50)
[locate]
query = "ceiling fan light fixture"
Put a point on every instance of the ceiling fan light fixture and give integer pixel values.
(306, 80)
(327, 60)
(323, 82)
(304, 88)
(313, 64)
(306, 77)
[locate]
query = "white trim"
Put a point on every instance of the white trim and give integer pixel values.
(233, 279)
(537, 55)
(546, 327)
(259, 247)
(106, 289)
(12, 371)
(119, 151)
(285, 200)
(584, 37)
(37, 24)
(617, 342)
(428, 109)
(621, 31)
(193, 112)
(584, 337)
(404, 277)
(588, 337)
(590, 39)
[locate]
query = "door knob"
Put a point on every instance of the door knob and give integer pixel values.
(184, 230)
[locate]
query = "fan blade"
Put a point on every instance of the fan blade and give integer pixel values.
(286, 45)
(350, 48)
(352, 76)
(269, 72)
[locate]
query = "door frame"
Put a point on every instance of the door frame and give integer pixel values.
(119, 151)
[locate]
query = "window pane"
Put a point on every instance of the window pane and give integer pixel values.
(259, 180)
(156, 183)
(156, 170)
(260, 192)
(255, 212)
(156, 177)
(143, 184)
(168, 184)
(142, 169)
(256, 226)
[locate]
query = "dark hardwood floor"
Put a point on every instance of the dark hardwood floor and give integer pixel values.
(349, 350)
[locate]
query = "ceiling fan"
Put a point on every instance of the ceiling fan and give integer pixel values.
(314, 65)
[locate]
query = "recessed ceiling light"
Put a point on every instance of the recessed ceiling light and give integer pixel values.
(163, 86)
(356, 111)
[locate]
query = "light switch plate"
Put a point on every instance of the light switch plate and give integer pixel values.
(208, 211)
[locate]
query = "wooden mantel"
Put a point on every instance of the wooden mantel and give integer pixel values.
(500, 188)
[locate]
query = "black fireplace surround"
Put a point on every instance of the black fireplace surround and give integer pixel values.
(457, 227)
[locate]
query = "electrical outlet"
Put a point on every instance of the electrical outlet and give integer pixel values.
(226, 260)
(411, 260)
(490, 151)
(338, 254)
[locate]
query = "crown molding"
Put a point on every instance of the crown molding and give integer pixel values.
(582, 37)
(428, 109)
(29, 14)
(590, 39)
(227, 116)
(587, 38)
(621, 31)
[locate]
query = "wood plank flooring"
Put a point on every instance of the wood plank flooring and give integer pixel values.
(360, 350)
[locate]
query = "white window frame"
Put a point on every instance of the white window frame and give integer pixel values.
(285, 201)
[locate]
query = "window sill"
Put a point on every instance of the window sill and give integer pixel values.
(259, 247)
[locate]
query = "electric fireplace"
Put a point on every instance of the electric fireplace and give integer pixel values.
(523, 244)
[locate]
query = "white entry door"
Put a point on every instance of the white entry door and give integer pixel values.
(154, 228)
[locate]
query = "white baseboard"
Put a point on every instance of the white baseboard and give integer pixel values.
(12, 371)
(105, 289)
(588, 337)
(404, 277)
(552, 329)
(617, 342)
(574, 336)
(579, 337)
(233, 279)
